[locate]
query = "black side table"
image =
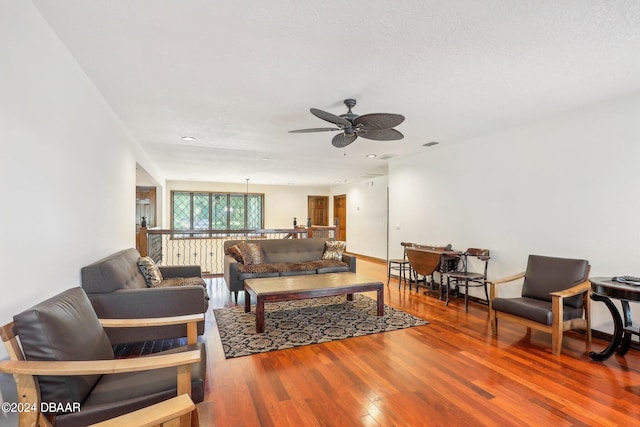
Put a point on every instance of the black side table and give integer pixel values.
(603, 289)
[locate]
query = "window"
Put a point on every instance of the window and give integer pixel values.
(216, 211)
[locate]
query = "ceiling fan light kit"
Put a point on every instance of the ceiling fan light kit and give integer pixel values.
(378, 126)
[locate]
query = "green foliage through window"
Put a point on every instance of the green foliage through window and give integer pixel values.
(216, 211)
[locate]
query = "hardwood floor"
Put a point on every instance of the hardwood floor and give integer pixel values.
(451, 372)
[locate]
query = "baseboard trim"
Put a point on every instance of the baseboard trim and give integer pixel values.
(367, 258)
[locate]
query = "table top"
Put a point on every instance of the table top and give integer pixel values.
(435, 250)
(606, 287)
(283, 284)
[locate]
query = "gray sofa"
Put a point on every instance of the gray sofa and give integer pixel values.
(283, 257)
(117, 289)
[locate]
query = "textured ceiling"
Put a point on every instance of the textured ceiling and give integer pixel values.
(238, 75)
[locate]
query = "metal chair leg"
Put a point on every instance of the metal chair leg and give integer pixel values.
(466, 296)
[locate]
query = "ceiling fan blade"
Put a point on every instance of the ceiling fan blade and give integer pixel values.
(381, 135)
(343, 139)
(379, 121)
(313, 130)
(331, 118)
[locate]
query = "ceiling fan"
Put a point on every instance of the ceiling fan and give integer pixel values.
(371, 126)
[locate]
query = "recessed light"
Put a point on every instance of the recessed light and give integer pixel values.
(372, 156)
(188, 138)
(265, 158)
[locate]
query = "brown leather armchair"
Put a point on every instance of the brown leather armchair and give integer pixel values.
(61, 356)
(555, 298)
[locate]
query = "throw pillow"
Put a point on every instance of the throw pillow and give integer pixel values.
(251, 253)
(235, 252)
(333, 249)
(150, 271)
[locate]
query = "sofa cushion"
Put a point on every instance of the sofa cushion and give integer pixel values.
(333, 249)
(292, 268)
(245, 276)
(251, 253)
(64, 327)
(257, 268)
(150, 272)
(185, 281)
(332, 266)
(286, 250)
(297, 273)
(296, 266)
(235, 252)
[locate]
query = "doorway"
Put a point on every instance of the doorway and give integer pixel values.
(340, 216)
(318, 209)
(146, 206)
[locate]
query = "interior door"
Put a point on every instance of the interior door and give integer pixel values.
(340, 216)
(318, 210)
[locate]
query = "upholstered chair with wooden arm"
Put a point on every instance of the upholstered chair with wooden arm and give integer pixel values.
(555, 298)
(61, 355)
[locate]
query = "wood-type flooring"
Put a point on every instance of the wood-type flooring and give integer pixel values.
(452, 372)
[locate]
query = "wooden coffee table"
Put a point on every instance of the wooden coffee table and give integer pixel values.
(287, 288)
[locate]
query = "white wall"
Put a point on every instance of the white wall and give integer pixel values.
(67, 166)
(282, 203)
(564, 186)
(366, 216)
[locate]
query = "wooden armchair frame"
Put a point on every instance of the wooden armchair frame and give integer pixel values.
(557, 328)
(165, 414)
(24, 371)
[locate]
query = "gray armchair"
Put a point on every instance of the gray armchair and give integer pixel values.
(555, 298)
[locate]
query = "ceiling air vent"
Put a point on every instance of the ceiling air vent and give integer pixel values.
(430, 144)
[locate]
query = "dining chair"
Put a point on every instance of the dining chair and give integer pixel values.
(470, 278)
(401, 265)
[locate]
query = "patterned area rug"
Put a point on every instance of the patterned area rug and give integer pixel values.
(302, 322)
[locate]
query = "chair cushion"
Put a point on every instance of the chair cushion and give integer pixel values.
(150, 271)
(118, 394)
(64, 327)
(547, 274)
(533, 309)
